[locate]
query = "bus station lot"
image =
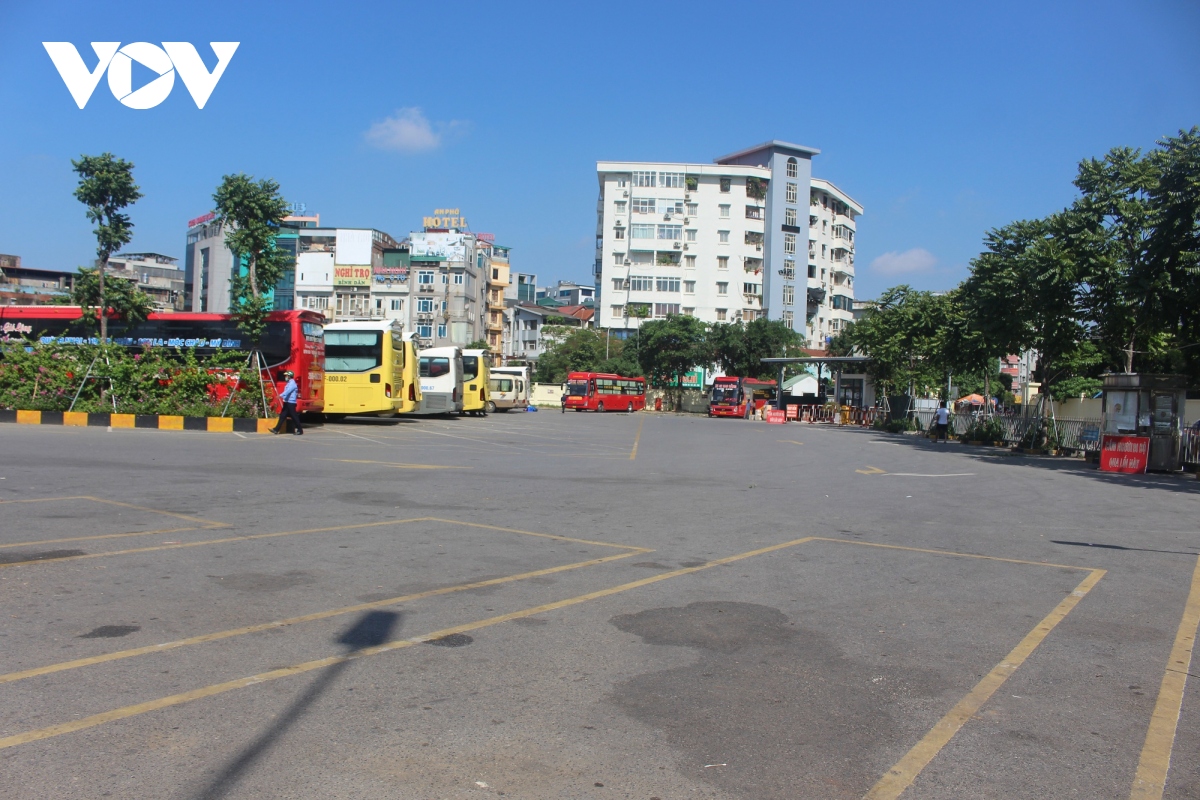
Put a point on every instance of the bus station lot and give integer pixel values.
(582, 605)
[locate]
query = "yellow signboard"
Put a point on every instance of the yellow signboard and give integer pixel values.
(446, 218)
(352, 275)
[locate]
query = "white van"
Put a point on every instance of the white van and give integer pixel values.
(509, 388)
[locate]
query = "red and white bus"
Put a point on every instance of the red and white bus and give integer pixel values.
(292, 341)
(596, 391)
(729, 395)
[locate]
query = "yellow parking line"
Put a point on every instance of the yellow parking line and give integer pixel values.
(951, 553)
(1155, 761)
(283, 623)
(198, 520)
(297, 669)
(101, 536)
(389, 464)
(906, 770)
(634, 548)
(637, 439)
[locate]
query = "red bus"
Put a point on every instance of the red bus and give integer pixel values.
(729, 394)
(596, 391)
(292, 341)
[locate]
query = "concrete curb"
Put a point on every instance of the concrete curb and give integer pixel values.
(164, 422)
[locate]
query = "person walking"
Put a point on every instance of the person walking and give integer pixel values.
(942, 418)
(563, 401)
(288, 397)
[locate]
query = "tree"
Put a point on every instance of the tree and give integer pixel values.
(123, 296)
(478, 344)
(670, 348)
(106, 187)
(900, 333)
(251, 213)
(586, 350)
(739, 349)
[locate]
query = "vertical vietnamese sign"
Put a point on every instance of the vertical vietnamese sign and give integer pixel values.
(1128, 454)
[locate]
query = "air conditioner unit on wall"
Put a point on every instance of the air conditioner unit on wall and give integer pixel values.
(628, 262)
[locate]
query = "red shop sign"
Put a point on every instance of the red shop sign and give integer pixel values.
(1127, 454)
(775, 416)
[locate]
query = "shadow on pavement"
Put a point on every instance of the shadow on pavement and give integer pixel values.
(373, 628)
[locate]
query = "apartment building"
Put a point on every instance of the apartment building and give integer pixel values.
(498, 284)
(158, 276)
(721, 241)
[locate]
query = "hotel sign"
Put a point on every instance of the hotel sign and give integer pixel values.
(351, 275)
(445, 218)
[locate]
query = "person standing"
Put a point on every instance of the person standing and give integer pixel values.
(563, 401)
(291, 391)
(942, 418)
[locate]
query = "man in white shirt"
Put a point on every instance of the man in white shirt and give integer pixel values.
(942, 418)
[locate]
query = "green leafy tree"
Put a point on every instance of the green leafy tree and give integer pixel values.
(669, 349)
(251, 212)
(106, 187)
(586, 350)
(740, 348)
(900, 333)
(478, 344)
(122, 296)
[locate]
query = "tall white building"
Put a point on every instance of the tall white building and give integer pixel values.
(725, 242)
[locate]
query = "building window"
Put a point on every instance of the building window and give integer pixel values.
(789, 243)
(618, 311)
(723, 237)
(722, 288)
(425, 331)
(458, 278)
(618, 259)
(643, 179)
(425, 278)
(725, 184)
(792, 168)
(424, 305)
(823, 249)
(495, 274)
(641, 283)
(724, 211)
(621, 181)
(812, 270)
(754, 212)
(619, 206)
(689, 287)
(397, 305)
(689, 262)
(445, 277)
(670, 180)
(788, 318)
(751, 288)
(442, 331)
(618, 233)
(721, 315)
(692, 209)
(789, 268)
(643, 205)
(641, 231)
(790, 195)
(618, 284)
(688, 311)
(789, 295)
(690, 235)
(666, 284)
(664, 309)
(670, 232)
(789, 216)
(722, 262)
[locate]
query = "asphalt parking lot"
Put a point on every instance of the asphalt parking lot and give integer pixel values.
(588, 606)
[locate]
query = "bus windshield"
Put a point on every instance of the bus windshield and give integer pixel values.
(470, 367)
(577, 388)
(501, 384)
(724, 394)
(352, 351)
(432, 367)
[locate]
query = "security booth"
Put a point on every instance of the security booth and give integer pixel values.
(1143, 420)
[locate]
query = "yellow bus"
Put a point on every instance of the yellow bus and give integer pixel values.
(370, 369)
(477, 365)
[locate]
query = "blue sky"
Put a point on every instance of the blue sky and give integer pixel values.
(942, 120)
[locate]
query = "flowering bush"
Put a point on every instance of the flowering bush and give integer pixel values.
(45, 377)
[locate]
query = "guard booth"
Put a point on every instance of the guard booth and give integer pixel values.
(1151, 406)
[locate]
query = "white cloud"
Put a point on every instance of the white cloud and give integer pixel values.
(915, 260)
(407, 131)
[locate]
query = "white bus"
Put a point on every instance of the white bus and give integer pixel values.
(440, 370)
(509, 388)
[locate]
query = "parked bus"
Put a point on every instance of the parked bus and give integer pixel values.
(476, 382)
(370, 369)
(729, 395)
(441, 376)
(292, 341)
(599, 392)
(508, 388)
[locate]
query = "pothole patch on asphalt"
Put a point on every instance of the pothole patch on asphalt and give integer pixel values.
(110, 631)
(451, 640)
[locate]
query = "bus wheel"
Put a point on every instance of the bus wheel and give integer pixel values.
(600, 407)
(491, 407)
(630, 409)
(334, 417)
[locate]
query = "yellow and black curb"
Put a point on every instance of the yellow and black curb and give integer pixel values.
(165, 422)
